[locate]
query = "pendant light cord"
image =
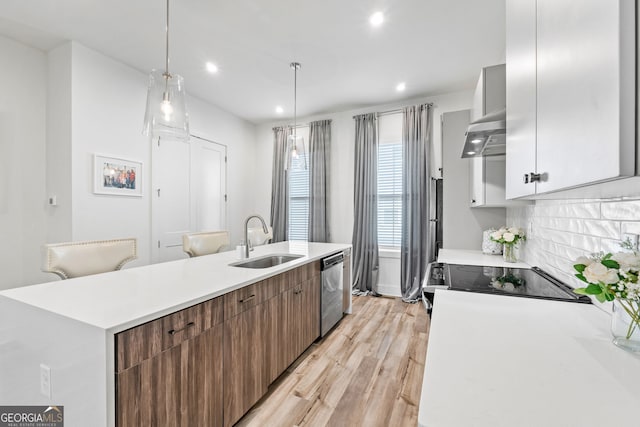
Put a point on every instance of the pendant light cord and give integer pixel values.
(166, 70)
(296, 67)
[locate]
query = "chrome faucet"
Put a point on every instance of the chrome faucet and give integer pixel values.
(246, 231)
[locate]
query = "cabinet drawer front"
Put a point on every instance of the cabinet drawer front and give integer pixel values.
(145, 341)
(243, 299)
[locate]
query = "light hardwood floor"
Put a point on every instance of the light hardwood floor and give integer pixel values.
(366, 372)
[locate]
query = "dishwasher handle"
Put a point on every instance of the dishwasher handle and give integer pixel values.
(332, 260)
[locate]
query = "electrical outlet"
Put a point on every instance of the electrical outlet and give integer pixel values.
(45, 380)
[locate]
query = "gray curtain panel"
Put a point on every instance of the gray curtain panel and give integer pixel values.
(279, 185)
(319, 147)
(365, 201)
(416, 188)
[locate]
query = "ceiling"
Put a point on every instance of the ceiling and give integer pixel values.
(435, 46)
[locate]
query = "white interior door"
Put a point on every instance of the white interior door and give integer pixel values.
(188, 193)
(208, 160)
(171, 196)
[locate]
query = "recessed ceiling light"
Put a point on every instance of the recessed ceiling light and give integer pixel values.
(376, 19)
(476, 141)
(279, 110)
(212, 68)
(471, 153)
(401, 87)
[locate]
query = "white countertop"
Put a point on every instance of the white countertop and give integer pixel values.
(470, 257)
(118, 300)
(503, 361)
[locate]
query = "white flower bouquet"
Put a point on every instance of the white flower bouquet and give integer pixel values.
(614, 277)
(508, 235)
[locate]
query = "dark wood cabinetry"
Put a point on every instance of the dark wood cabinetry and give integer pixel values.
(244, 379)
(208, 364)
(346, 281)
(169, 371)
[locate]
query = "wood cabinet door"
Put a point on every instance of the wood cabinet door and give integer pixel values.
(310, 312)
(275, 332)
(244, 370)
(179, 387)
(346, 278)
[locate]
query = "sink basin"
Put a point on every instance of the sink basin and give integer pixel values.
(266, 261)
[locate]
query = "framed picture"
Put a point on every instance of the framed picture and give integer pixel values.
(118, 177)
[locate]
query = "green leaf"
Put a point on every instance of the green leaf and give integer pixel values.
(581, 277)
(580, 291)
(593, 289)
(579, 267)
(609, 263)
(609, 297)
(601, 298)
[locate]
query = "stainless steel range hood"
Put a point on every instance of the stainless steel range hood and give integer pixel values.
(486, 136)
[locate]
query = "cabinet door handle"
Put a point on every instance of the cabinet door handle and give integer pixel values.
(249, 298)
(175, 331)
(532, 177)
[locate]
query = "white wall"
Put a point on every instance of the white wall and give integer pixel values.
(57, 110)
(107, 108)
(341, 170)
(58, 143)
(462, 225)
(22, 162)
(108, 102)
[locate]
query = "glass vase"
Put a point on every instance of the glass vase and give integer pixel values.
(509, 253)
(625, 324)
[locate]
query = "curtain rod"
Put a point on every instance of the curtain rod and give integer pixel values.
(396, 111)
(301, 125)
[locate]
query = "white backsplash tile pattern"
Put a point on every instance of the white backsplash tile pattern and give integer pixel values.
(558, 231)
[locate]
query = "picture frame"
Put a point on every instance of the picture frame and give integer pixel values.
(116, 176)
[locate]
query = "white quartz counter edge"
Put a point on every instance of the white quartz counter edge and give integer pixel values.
(120, 300)
(471, 257)
(503, 361)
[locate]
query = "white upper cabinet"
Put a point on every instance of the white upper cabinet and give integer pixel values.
(487, 174)
(521, 96)
(570, 93)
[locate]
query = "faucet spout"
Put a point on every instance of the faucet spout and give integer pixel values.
(246, 231)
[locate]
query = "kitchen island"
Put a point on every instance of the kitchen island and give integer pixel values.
(71, 326)
(497, 361)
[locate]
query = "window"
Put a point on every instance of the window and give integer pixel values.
(299, 195)
(390, 181)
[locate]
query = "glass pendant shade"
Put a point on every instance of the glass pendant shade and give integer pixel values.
(297, 153)
(166, 113)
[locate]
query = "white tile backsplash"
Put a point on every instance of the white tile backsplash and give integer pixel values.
(558, 231)
(627, 210)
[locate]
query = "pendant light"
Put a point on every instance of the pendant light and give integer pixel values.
(297, 158)
(166, 113)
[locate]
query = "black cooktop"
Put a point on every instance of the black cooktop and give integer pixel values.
(520, 282)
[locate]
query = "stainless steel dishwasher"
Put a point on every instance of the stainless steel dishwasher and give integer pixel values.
(331, 301)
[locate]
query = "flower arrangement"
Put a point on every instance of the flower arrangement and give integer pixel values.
(507, 282)
(613, 277)
(508, 235)
(509, 238)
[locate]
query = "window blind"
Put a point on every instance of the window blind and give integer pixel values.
(390, 194)
(298, 200)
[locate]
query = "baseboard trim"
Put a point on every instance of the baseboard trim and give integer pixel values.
(390, 290)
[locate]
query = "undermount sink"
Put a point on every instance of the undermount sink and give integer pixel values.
(266, 261)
